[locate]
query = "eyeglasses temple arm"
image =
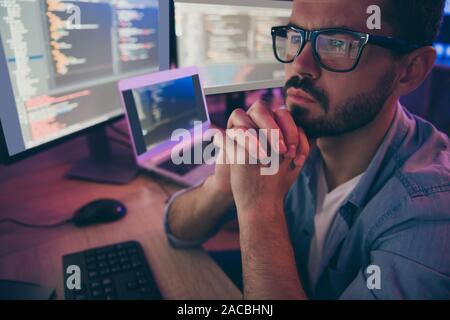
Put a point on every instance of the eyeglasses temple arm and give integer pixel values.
(393, 43)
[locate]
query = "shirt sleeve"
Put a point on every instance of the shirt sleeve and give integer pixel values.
(183, 244)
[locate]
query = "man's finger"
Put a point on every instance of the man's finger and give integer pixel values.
(240, 118)
(289, 129)
(248, 140)
(265, 119)
(303, 148)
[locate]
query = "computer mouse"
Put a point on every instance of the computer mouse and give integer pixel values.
(99, 211)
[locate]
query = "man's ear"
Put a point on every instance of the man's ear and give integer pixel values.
(416, 68)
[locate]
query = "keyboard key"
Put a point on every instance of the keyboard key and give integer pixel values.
(181, 169)
(113, 262)
(139, 273)
(136, 263)
(132, 285)
(101, 257)
(100, 251)
(116, 269)
(91, 266)
(132, 250)
(112, 255)
(80, 296)
(91, 260)
(97, 293)
(109, 290)
(146, 291)
(106, 281)
(126, 267)
(104, 272)
(95, 284)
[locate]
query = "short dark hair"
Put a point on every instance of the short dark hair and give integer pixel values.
(418, 21)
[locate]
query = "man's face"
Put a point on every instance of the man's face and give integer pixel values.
(341, 102)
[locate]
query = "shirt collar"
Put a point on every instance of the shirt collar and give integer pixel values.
(382, 164)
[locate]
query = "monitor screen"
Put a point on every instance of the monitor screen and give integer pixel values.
(60, 62)
(442, 44)
(156, 111)
(230, 41)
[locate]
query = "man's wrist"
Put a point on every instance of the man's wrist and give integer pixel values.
(218, 192)
(261, 211)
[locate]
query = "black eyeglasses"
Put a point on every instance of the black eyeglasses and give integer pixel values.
(335, 49)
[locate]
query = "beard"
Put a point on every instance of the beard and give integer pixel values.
(353, 114)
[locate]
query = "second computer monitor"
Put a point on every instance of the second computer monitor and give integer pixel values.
(442, 44)
(230, 41)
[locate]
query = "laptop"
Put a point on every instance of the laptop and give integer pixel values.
(159, 105)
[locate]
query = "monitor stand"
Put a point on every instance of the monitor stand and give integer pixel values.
(105, 165)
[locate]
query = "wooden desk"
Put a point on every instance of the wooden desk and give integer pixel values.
(36, 191)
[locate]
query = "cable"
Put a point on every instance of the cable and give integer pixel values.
(29, 225)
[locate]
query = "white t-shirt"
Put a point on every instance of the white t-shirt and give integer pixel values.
(328, 203)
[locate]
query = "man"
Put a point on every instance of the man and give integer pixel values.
(362, 213)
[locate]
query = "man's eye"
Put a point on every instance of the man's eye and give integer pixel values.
(336, 43)
(296, 39)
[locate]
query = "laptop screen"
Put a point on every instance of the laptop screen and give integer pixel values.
(156, 111)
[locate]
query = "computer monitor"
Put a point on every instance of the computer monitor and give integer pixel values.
(60, 62)
(230, 41)
(442, 44)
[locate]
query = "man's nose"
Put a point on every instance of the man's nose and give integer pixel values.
(305, 64)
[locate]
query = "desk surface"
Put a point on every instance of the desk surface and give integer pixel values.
(36, 191)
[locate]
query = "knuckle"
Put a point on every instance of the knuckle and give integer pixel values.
(237, 112)
(235, 115)
(285, 116)
(282, 112)
(257, 109)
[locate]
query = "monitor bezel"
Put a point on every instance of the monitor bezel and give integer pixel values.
(164, 64)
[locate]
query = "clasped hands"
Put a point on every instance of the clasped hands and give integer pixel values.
(253, 190)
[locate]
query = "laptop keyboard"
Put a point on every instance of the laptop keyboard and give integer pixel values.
(182, 169)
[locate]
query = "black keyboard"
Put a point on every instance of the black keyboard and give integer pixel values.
(118, 271)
